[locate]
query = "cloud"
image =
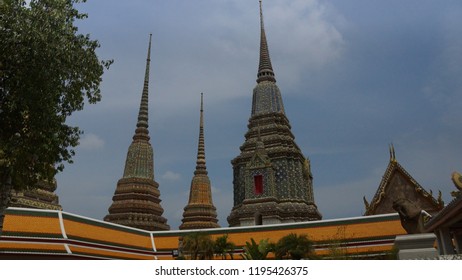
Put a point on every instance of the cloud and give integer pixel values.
(171, 176)
(91, 141)
(314, 41)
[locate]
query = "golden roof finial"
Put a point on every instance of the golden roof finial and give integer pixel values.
(392, 153)
(366, 203)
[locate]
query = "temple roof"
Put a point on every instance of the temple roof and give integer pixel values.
(450, 217)
(387, 191)
(50, 234)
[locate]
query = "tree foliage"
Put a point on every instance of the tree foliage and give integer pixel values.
(295, 247)
(254, 251)
(47, 71)
(223, 247)
(198, 246)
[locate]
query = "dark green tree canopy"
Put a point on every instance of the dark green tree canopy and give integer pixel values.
(198, 246)
(223, 247)
(295, 247)
(47, 72)
(260, 251)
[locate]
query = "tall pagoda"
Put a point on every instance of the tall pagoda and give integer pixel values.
(272, 178)
(136, 200)
(200, 211)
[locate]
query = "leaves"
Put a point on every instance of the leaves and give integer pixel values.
(293, 246)
(254, 251)
(198, 246)
(223, 247)
(47, 71)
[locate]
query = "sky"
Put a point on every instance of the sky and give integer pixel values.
(355, 76)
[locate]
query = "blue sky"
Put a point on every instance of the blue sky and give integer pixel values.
(354, 75)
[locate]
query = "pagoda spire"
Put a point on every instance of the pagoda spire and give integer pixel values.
(200, 162)
(266, 94)
(265, 70)
(200, 211)
(142, 125)
(138, 165)
(136, 201)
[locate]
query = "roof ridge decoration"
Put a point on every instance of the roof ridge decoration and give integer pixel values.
(447, 217)
(265, 69)
(456, 178)
(392, 152)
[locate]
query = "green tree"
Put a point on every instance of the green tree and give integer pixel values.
(224, 247)
(47, 71)
(198, 246)
(260, 251)
(294, 247)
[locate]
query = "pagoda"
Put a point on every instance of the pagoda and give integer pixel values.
(272, 179)
(41, 196)
(136, 200)
(200, 211)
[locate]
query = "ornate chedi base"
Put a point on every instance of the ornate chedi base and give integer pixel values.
(42, 196)
(200, 212)
(136, 203)
(285, 193)
(263, 212)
